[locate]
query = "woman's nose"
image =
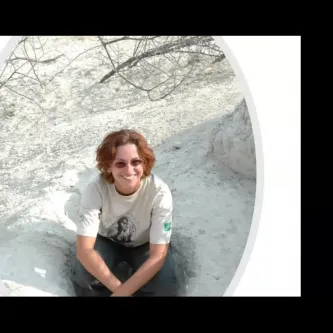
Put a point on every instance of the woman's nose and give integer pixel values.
(128, 168)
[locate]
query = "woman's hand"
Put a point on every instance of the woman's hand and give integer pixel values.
(120, 294)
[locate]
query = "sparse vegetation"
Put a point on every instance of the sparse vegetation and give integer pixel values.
(155, 65)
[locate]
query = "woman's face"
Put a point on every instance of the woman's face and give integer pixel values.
(127, 169)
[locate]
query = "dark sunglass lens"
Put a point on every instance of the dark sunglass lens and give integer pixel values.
(136, 162)
(120, 164)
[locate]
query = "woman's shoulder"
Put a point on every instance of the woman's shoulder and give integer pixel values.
(96, 182)
(159, 192)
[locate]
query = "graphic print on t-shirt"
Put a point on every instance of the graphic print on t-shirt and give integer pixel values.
(122, 231)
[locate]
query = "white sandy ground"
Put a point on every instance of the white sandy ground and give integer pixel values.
(44, 167)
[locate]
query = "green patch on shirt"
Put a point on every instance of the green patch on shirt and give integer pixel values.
(167, 226)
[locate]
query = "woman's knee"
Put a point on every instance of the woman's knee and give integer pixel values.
(79, 274)
(165, 282)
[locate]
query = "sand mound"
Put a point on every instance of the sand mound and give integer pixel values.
(233, 144)
(44, 168)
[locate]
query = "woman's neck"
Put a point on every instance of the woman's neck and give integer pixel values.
(127, 193)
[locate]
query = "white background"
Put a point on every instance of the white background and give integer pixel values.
(268, 69)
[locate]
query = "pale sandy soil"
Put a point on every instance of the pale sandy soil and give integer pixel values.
(44, 167)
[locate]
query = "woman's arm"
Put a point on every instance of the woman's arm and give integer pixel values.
(146, 272)
(87, 230)
(94, 263)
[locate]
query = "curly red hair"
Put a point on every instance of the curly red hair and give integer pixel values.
(107, 150)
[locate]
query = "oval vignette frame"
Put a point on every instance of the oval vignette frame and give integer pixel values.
(4, 53)
(226, 49)
(222, 43)
(9, 45)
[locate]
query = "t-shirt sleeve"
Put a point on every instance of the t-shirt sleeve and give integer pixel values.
(161, 218)
(90, 205)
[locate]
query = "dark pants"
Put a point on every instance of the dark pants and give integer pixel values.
(164, 283)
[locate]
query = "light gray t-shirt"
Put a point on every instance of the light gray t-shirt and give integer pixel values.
(145, 216)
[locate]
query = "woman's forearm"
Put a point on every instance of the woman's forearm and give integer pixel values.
(144, 274)
(96, 266)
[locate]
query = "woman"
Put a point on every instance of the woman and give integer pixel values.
(125, 215)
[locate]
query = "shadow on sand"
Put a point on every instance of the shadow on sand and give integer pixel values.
(42, 256)
(184, 259)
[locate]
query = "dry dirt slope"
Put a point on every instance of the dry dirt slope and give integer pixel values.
(43, 169)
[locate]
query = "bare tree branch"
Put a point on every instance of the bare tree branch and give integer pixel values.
(71, 61)
(156, 65)
(160, 50)
(175, 50)
(24, 96)
(46, 61)
(8, 79)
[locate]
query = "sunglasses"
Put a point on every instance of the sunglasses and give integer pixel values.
(134, 163)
